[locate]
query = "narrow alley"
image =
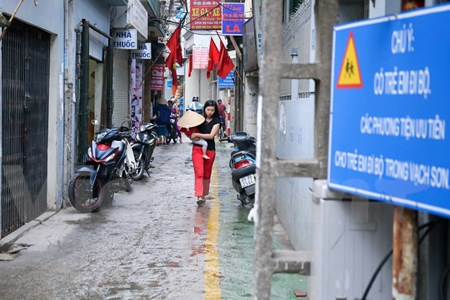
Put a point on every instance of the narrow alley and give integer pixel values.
(154, 243)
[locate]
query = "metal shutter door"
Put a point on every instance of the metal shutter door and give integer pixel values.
(120, 87)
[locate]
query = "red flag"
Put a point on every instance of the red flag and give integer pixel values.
(213, 57)
(190, 65)
(171, 64)
(225, 63)
(175, 55)
(174, 45)
(179, 55)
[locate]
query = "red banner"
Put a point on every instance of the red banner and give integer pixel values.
(157, 81)
(205, 15)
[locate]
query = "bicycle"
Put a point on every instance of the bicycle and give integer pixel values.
(221, 129)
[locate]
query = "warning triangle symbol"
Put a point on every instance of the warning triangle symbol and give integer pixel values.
(350, 74)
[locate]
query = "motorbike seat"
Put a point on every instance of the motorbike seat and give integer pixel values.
(241, 153)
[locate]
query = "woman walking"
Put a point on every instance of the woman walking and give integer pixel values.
(162, 120)
(175, 113)
(203, 167)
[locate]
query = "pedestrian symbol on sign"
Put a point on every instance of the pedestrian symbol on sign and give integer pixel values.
(350, 75)
(349, 68)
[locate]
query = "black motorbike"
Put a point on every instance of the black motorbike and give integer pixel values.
(243, 166)
(106, 172)
(172, 133)
(143, 148)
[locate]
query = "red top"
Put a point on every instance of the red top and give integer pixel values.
(189, 131)
(221, 108)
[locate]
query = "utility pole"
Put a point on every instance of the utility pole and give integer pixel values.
(404, 263)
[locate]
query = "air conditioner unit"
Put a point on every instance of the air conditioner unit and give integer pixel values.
(350, 239)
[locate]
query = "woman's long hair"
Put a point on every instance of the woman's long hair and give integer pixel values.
(216, 109)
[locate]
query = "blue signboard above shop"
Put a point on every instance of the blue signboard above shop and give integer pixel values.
(390, 107)
(233, 17)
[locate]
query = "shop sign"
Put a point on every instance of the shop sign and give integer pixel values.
(125, 39)
(200, 57)
(144, 51)
(205, 15)
(137, 17)
(157, 81)
(136, 81)
(233, 16)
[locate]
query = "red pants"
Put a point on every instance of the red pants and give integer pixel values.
(202, 170)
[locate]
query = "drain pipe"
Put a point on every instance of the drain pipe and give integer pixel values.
(83, 109)
(69, 97)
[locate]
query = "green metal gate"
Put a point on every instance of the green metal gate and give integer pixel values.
(25, 102)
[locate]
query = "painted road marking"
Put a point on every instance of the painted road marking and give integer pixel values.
(212, 272)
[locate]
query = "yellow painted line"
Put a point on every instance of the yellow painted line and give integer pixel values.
(212, 272)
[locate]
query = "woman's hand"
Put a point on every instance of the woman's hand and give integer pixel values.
(194, 136)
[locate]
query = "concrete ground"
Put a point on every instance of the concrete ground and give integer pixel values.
(153, 243)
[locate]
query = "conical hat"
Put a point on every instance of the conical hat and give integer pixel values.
(190, 119)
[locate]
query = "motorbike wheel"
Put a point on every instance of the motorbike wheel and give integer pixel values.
(174, 136)
(108, 192)
(140, 168)
(126, 179)
(82, 198)
(221, 133)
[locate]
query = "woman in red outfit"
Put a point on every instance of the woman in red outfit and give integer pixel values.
(203, 167)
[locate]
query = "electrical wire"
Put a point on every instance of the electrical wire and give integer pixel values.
(429, 227)
(202, 15)
(375, 274)
(184, 26)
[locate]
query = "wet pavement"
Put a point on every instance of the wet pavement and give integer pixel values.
(153, 243)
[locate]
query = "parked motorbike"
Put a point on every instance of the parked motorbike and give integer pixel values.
(143, 147)
(110, 158)
(172, 133)
(243, 166)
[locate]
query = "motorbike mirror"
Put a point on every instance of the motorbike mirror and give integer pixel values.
(126, 121)
(95, 122)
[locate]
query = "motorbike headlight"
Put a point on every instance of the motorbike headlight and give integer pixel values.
(110, 157)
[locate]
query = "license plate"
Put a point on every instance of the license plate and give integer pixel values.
(247, 181)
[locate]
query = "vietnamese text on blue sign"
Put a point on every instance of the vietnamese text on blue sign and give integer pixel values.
(125, 39)
(233, 17)
(388, 126)
(228, 82)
